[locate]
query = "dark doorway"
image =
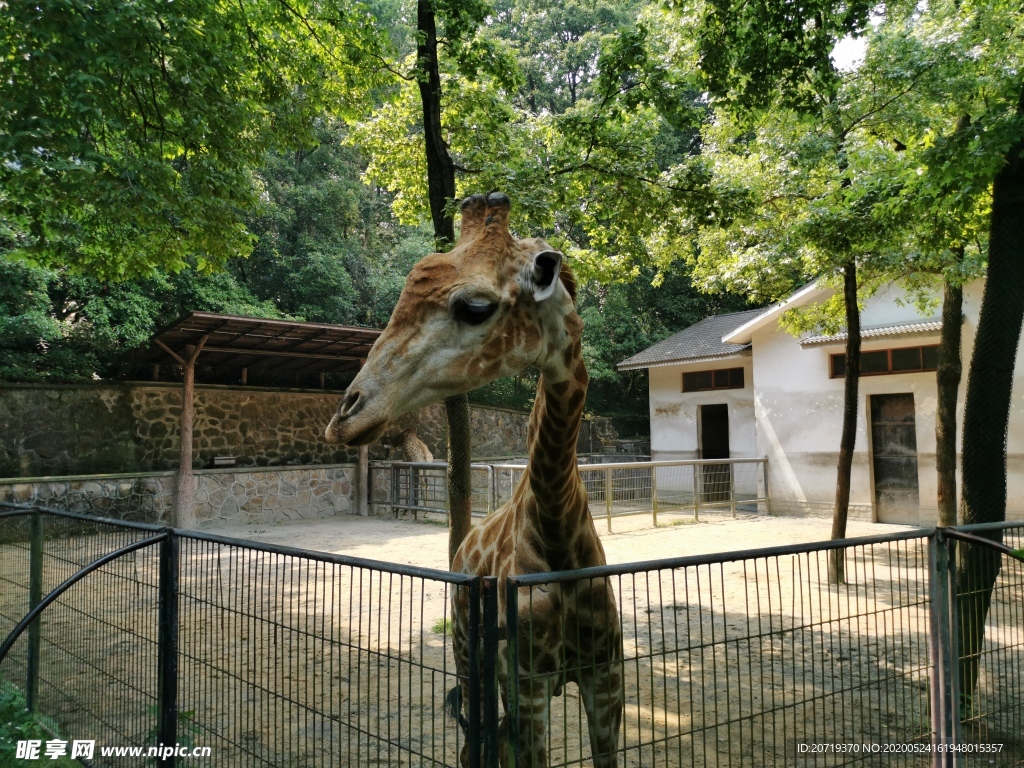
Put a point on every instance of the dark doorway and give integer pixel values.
(894, 458)
(716, 479)
(714, 431)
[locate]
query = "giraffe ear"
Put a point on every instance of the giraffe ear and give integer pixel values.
(544, 276)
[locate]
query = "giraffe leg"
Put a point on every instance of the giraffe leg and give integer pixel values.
(598, 662)
(602, 694)
(534, 711)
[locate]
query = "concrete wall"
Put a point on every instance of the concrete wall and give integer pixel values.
(223, 496)
(674, 414)
(133, 427)
(798, 411)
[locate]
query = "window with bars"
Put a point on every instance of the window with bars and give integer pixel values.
(879, 362)
(703, 381)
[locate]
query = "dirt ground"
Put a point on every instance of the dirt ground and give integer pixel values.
(287, 663)
(633, 538)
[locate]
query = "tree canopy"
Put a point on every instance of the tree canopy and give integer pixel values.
(131, 129)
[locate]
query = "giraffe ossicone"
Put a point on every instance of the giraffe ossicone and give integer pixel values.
(491, 307)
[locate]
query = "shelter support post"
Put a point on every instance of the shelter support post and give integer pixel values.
(363, 485)
(185, 492)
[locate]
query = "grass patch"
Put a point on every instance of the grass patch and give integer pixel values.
(685, 521)
(18, 724)
(443, 522)
(442, 627)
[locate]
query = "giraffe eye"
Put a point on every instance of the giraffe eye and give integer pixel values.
(473, 312)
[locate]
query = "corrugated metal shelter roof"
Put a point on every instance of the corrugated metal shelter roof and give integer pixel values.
(702, 340)
(233, 342)
(880, 331)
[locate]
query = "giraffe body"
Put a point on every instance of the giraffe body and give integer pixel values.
(491, 307)
(412, 447)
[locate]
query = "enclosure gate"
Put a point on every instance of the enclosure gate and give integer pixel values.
(614, 488)
(269, 655)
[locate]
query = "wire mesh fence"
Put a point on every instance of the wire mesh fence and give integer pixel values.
(615, 489)
(990, 644)
(280, 656)
(93, 658)
(759, 658)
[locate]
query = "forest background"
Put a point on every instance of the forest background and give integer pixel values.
(333, 215)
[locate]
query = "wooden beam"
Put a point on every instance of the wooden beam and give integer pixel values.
(169, 351)
(257, 352)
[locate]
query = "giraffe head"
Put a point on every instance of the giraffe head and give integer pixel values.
(488, 308)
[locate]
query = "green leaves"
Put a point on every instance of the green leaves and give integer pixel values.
(131, 128)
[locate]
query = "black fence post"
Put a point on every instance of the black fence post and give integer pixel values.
(512, 627)
(945, 714)
(35, 595)
(473, 736)
(490, 702)
(167, 649)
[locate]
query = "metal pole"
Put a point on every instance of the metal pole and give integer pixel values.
(414, 496)
(490, 702)
(767, 494)
(608, 497)
(696, 492)
(943, 665)
(654, 495)
(512, 670)
(393, 497)
(167, 647)
(491, 498)
(732, 487)
(473, 736)
(35, 595)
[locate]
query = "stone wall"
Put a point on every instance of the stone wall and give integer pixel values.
(134, 426)
(222, 496)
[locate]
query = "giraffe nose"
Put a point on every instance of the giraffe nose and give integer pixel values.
(351, 404)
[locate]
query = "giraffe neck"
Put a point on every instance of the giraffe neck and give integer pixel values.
(561, 505)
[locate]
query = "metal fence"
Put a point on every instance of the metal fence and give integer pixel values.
(270, 655)
(265, 654)
(615, 489)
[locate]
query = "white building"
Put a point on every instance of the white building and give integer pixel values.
(739, 385)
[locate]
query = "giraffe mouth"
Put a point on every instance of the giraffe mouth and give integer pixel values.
(338, 431)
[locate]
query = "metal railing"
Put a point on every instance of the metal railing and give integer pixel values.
(409, 487)
(137, 634)
(615, 489)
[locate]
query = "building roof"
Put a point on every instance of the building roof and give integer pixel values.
(701, 341)
(811, 292)
(233, 342)
(881, 331)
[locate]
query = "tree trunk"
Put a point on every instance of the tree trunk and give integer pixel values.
(987, 409)
(849, 437)
(947, 380)
(460, 487)
(441, 192)
(440, 168)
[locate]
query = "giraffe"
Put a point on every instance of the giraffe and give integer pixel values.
(416, 450)
(411, 446)
(491, 307)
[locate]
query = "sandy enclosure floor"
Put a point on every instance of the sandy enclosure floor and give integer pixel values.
(296, 663)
